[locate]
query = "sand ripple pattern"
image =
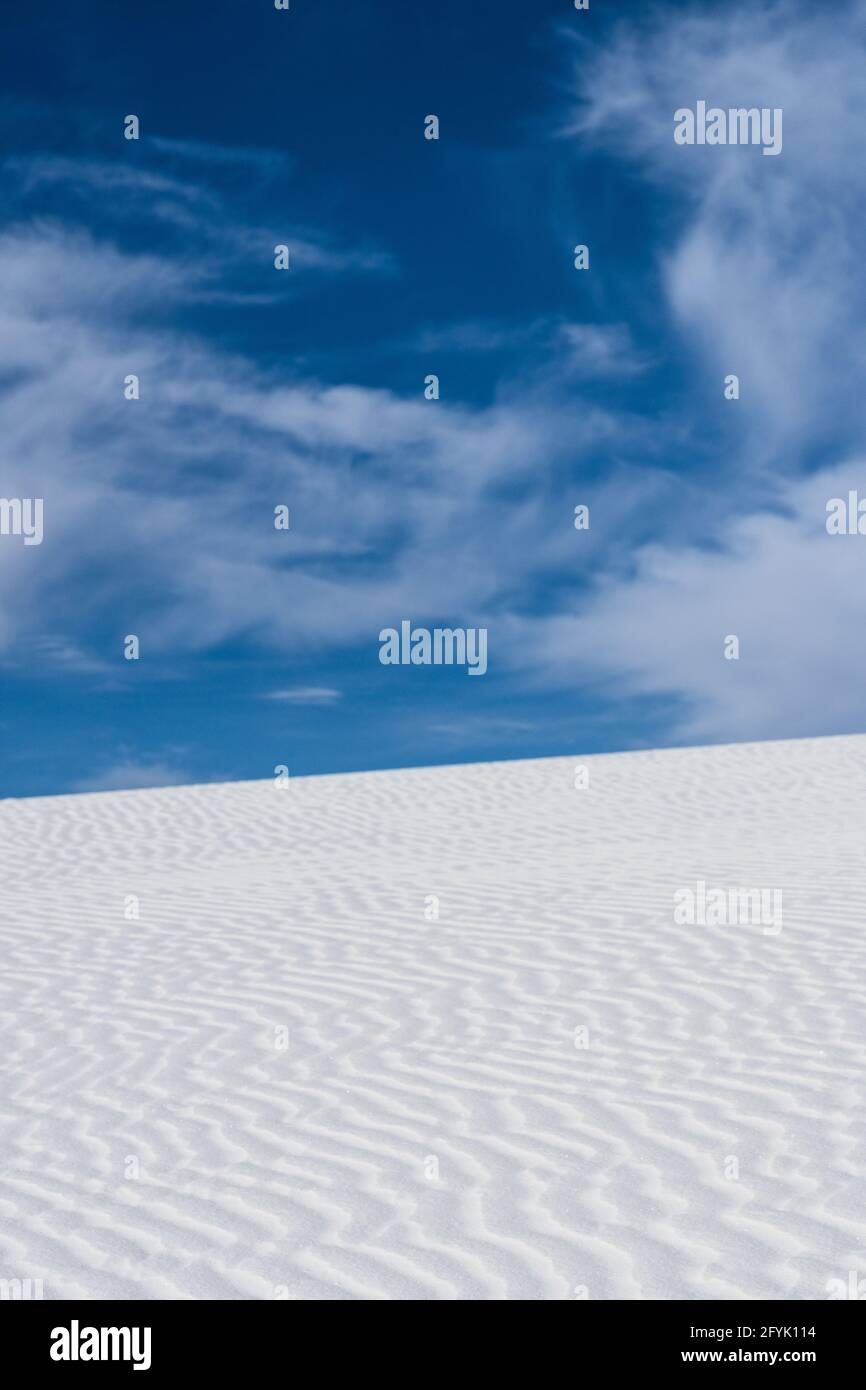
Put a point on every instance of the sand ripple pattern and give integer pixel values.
(431, 1130)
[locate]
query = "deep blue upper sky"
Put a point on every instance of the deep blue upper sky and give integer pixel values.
(306, 387)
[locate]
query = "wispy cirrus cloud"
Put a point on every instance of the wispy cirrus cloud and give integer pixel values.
(184, 190)
(159, 511)
(580, 350)
(250, 159)
(305, 695)
(131, 775)
(761, 264)
(762, 276)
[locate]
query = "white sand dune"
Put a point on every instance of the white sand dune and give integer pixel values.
(310, 1171)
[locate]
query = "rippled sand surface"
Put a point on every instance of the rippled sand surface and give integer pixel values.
(288, 1077)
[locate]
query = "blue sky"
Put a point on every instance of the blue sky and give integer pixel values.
(306, 387)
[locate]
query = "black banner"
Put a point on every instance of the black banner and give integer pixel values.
(218, 1338)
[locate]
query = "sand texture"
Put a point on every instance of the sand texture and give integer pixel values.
(287, 1077)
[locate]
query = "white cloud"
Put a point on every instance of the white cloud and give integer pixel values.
(763, 264)
(255, 159)
(131, 775)
(762, 271)
(306, 695)
(159, 512)
(203, 214)
(792, 594)
(600, 350)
